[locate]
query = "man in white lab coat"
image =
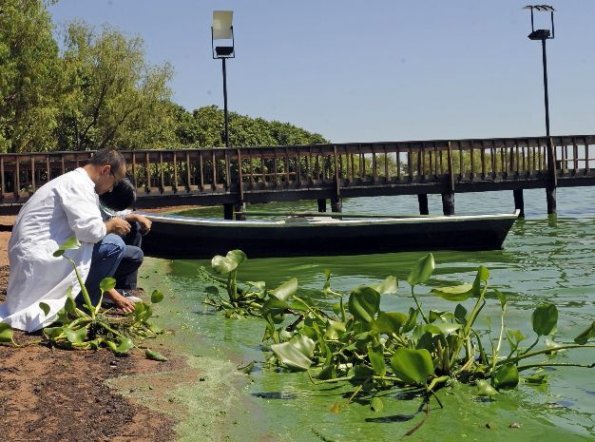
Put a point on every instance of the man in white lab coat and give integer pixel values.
(65, 206)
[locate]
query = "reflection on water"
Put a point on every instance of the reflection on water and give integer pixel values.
(544, 259)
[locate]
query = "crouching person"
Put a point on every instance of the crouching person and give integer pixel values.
(64, 207)
(119, 203)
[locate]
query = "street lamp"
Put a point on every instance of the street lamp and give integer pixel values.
(543, 35)
(222, 31)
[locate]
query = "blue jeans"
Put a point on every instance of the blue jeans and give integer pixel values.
(107, 255)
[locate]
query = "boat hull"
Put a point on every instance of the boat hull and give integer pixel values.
(179, 237)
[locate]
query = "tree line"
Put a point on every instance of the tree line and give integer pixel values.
(97, 90)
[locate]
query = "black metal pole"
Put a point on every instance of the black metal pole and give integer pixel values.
(545, 89)
(226, 132)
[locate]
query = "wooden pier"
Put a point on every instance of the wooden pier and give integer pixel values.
(233, 177)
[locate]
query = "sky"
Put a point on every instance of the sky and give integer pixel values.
(376, 70)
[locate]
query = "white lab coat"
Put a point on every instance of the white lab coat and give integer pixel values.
(66, 206)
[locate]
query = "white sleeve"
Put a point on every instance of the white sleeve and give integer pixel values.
(82, 210)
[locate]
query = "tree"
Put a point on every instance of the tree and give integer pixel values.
(29, 73)
(205, 129)
(111, 96)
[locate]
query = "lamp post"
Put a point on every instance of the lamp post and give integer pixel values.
(543, 35)
(222, 31)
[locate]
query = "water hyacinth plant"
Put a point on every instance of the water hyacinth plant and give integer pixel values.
(92, 326)
(375, 350)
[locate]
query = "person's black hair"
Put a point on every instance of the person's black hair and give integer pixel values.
(122, 196)
(108, 156)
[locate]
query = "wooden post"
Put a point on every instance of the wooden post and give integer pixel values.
(336, 205)
(321, 205)
(422, 200)
(519, 202)
(448, 203)
(228, 210)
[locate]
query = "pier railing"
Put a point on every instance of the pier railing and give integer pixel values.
(256, 174)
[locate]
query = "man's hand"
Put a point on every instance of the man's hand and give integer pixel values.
(122, 303)
(145, 224)
(118, 226)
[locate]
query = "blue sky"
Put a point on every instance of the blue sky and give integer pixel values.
(384, 70)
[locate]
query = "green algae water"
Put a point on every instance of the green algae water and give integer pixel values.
(544, 259)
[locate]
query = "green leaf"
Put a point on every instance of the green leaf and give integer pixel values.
(364, 303)
(6, 334)
(483, 274)
(75, 336)
(229, 262)
(441, 328)
(387, 287)
(454, 293)
(328, 372)
(545, 319)
(536, 379)
(413, 366)
(296, 352)
(69, 305)
(485, 389)
(411, 321)
(156, 296)
(124, 345)
(107, 284)
(506, 377)
(515, 337)
(69, 244)
(390, 322)
(53, 333)
(334, 329)
(286, 290)
(376, 356)
(376, 405)
(44, 308)
(501, 297)
(422, 271)
(461, 314)
(155, 356)
(586, 335)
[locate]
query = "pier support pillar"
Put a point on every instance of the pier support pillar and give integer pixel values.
(519, 201)
(422, 200)
(240, 207)
(448, 203)
(321, 205)
(336, 205)
(550, 194)
(228, 211)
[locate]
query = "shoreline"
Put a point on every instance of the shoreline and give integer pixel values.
(53, 394)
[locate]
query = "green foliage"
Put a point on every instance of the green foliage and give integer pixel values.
(28, 77)
(100, 91)
(374, 349)
(95, 327)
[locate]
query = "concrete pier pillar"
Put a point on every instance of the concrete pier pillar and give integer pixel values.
(519, 201)
(422, 200)
(448, 203)
(550, 194)
(228, 211)
(321, 205)
(336, 205)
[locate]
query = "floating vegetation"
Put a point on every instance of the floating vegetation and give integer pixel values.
(416, 351)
